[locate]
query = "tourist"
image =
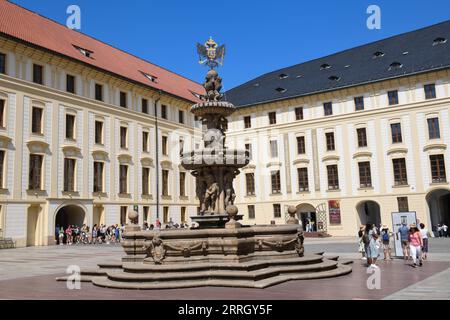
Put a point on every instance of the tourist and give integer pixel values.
(424, 232)
(415, 244)
(444, 230)
(117, 233)
(94, 234)
(361, 243)
(404, 238)
(385, 238)
(158, 224)
(69, 235)
(369, 238)
(61, 236)
(57, 234)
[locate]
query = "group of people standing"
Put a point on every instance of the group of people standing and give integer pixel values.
(414, 241)
(73, 234)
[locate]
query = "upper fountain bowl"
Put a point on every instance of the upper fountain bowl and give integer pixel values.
(222, 108)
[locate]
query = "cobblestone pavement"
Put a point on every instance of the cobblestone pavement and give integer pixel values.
(37, 267)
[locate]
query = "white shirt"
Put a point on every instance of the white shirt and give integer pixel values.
(424, 233)
(444, 227)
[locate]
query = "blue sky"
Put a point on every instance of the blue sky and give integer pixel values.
(260, 36)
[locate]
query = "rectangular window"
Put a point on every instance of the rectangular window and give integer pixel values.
(251, 211)
(36, 120)
(123, 179)
(430, 91)
(70, 126)
(145, 181)
(328, 108)
(165, 214)
(2, 166)
(393, 97)
(273, 148)
(433, 128)
(181, 146)
(301, 148)
(2, 63)
(437, 165)
(396, 132)
(272, 117)
(359, 103)
(123, 137)
(248, 147)
(38, 76)
(180, 116)
(333, 177)
(146, 210)
(69, 174)
(303, 179)
(35, 173)
(329, 137)
(144, 141)
(163, 111)
(70, 83)
(403, 204)
(123, 99)
(98, 92)
(165, 182)
(250, 183)
(2, 113)
(183, 184)
(299, 113)
(183, 215)
(362, 137)
(98, 132)
(365, 177)
(276, 182)
(400, 176)
(247, 122)
(164, 145)
(276, 210)
(98, 176)
(144, 106)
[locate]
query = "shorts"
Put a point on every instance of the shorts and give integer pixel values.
(405, 244)
(386, 246)
(425, 245)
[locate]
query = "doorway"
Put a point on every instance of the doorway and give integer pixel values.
(369, 212)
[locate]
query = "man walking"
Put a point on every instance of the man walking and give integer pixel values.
(404, 238)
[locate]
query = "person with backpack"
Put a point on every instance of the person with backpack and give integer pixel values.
(404, 238)
(386, 239)
(424, 232)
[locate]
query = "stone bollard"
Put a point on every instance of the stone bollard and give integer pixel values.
(292, 219)
(133, 216)
(232, 211)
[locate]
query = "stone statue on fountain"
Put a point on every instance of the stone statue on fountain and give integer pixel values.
(215, 166)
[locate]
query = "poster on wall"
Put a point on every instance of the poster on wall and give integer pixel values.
(334, 210)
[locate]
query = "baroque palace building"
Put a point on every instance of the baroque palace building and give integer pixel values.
(349, 138)
(79, 139)
(88, 132)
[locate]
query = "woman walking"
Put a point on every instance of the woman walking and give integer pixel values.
(386, 238)
(361, 243)
(370, 238)
(415, 245)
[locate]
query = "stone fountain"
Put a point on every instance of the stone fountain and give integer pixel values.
(220, 251)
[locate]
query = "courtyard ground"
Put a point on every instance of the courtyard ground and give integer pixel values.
(29, 273)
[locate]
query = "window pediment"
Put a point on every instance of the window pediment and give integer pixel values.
(100, 155)
(330, 157)
(435, 147)
(273, 164)
(125, 159)
(362, 154)
(147, 162)
(4, 141)
(300, 161)
(397, 151)
(38, 146)
(166, 164)
(72, 151)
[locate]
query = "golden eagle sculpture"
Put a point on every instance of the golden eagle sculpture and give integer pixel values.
(211, 54)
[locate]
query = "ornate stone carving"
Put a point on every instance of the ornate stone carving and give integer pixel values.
(156, 250)
(299, 244)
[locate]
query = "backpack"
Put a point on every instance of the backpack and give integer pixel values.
(365, 238)
(385, 235)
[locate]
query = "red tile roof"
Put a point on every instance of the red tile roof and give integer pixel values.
(30, 27)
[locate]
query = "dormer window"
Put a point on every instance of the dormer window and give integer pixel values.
(395, 65)
(439, 40)
(150, 77)
(283, 76)
(334, 78)
(85, 52)
(378, 54)
(281, 90)
(325, 66)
